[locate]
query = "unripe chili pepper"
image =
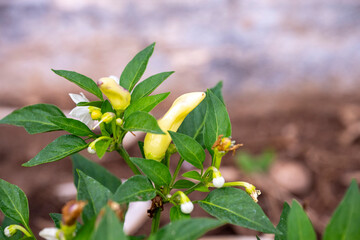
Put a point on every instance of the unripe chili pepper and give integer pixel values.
(118, 96)
(155, 145)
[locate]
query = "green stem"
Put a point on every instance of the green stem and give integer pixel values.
(126, 158)
(156, 221)
(190, 190)
(176, 171)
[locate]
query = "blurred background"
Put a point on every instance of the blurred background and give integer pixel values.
(291, 80)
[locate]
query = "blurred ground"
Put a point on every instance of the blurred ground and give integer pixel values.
(314, 137)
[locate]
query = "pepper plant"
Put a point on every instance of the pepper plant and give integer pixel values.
(195, 123)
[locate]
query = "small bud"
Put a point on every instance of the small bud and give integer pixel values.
(10, 230)
(71, 211)
(187, 207)
(155, 145)
(118, 96)
(107, 117)
(50, 233)
(251, 190)
(218, 181)
(96, 114)
(119, 121)
(91, 148)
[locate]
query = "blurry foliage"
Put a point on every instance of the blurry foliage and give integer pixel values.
(250, 163)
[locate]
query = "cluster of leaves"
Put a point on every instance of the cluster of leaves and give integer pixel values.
(97, 186)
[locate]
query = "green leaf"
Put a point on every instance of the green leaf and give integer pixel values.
(136, 188)
(257, 238)
(61, 147)
(194, 123)
(282, 226)
(344, 224)
(94, 193)
(86, 230)
(56, 217)
(299, 226)
(176, 214)
(156, 171)
(34, 118)
(186, 229)
(72, 126)
(147, 86)
(236, 207)
(110, 228)
(106, 107)
(217, 121)
(189, 149)
(135, 68)
(101, 146)
(145, 104)
(82, 81)
(93, 104)
(142, 121)
(183, 184)
(94, 170)
(13, 203)
(193, 175)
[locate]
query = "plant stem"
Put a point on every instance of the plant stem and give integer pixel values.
(176, 171)
(156, 221)
(190, 190)
(126, 157)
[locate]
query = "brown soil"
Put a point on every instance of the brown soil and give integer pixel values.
(314, 135)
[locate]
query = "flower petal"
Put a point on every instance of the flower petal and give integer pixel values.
(78, 98)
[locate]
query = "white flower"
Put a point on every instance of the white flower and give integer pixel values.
(81, 113)
(49, 233)
(218, 181)
(187, 207)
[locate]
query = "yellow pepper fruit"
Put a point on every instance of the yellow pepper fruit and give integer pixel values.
(118, 96)
(155, 145)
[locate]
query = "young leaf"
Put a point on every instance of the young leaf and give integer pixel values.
(189, 149)
(142, 121)
(217, 90)
(176, 214)
(344, 224)
(94, 193)
(34, 118)
(136, 188)
(72, 126)
(147, 86)
(183, 184)
(145, 104)
(94, 170)
(217, 121)
(282, 226)
(94, 104)
(135, 68)
(56, 217)
(109, 228)
(186, 229)
(237, 207)
(82, 81)
(13, 203)
(193, 175)
(156, 171)
(61, 147)
(299, 226)
(101, 147)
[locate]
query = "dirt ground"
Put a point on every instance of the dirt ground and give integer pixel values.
(315, 136)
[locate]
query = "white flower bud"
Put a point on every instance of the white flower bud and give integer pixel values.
(218, 181)
(9, 231)
(49, 233)
(91, 150)
(187, 207)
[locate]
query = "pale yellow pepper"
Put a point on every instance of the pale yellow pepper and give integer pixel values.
(118, 96)
(155, 145)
